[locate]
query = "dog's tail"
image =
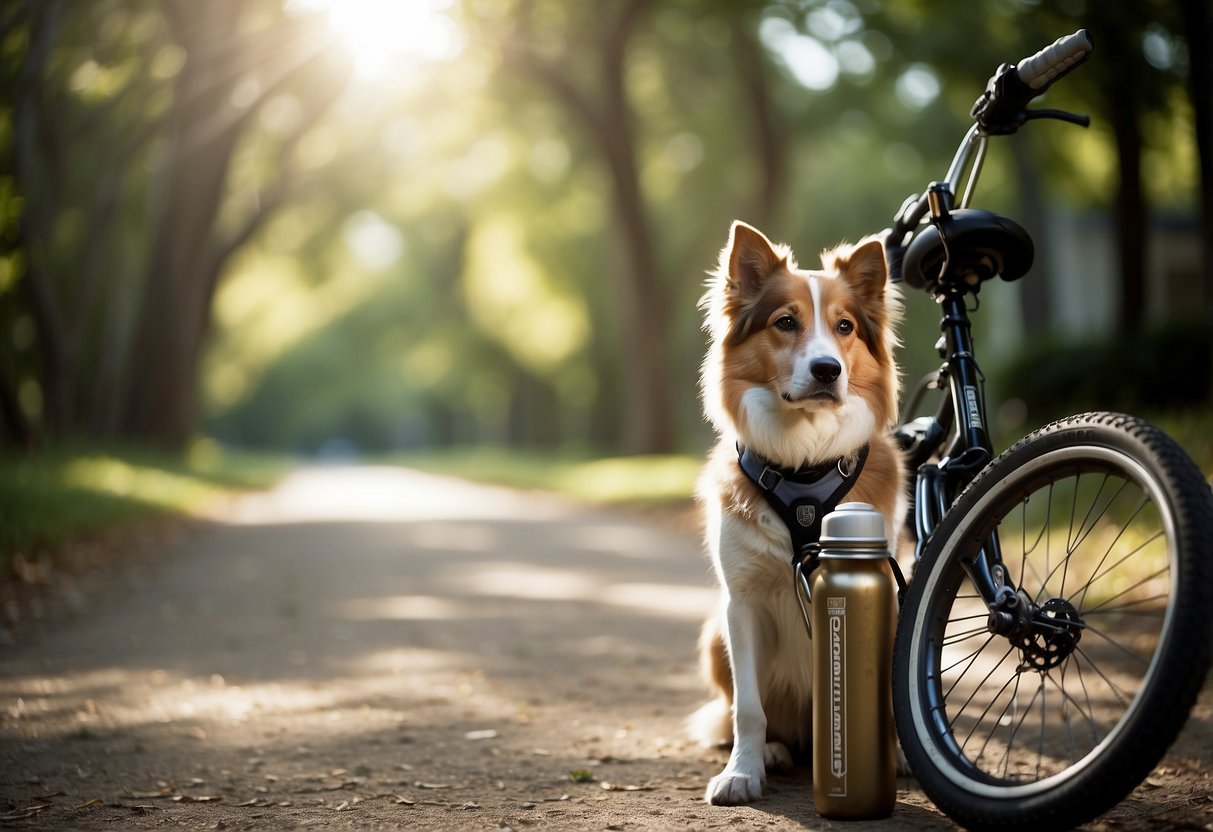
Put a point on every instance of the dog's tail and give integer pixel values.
(712, 724)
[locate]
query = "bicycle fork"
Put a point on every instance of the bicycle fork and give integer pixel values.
(971, 449)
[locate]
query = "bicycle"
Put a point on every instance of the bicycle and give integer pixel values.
(1056, 633)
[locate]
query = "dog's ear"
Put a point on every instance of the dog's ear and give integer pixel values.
(863, 268)
(750, 258)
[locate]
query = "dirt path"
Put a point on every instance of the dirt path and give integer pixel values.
(373, 648)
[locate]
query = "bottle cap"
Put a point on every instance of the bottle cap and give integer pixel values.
(853, 526)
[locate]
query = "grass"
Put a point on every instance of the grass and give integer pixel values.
(64, 494)
(631, 479)
(61, 494)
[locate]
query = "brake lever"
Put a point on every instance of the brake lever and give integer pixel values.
(1059, 115)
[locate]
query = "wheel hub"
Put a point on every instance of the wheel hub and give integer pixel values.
(1055, 631)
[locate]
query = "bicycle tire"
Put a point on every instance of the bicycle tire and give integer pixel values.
(1130, 730)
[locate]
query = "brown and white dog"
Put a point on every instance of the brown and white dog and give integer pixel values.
(800, 370)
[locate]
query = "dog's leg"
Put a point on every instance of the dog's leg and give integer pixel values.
(742, 779)
(776, 756)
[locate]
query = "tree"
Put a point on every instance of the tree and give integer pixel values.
(1197, 19)
(185, 83)
(606, 119)
(597, 102)
(189, 249)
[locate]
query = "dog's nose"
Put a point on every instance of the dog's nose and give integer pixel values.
(825, 370)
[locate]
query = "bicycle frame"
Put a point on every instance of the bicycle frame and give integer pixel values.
(958, 435)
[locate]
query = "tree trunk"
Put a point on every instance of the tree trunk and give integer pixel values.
(646, 416)
(1130, 222)
(188, 254)
(1198, 30)
(36, 224)
(15, 424)
(161, 386)
(647, 426)
(1124, 90)
(1035, 290)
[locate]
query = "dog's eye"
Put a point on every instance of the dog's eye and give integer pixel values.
(787, 323)
(845, 327)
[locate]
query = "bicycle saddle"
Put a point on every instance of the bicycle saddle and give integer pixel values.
(980, 244)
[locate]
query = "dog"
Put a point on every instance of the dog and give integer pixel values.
(800, 371)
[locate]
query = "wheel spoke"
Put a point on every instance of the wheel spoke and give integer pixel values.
(1073, 541)
(1096, 573)
(1027, 711)
(979, 685)
(1087, 714)
(1124, 610)
(1044, 713)
(1088, 524)
(1142, 660)
(1120, 695)
(1001, 714)
(993, 701)
(1048, 541)
(1086, 695)
(956, 638)
(1129, 589)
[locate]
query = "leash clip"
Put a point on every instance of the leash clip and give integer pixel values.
(800, 581)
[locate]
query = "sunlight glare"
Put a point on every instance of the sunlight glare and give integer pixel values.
(808, 60)
(383, 35)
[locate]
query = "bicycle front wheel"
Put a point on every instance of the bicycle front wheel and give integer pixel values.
(1105, 528)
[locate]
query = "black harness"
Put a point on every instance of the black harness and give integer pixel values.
(802, 496)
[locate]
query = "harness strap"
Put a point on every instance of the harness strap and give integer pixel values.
(802, 496)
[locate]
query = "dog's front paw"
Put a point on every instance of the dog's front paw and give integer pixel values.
(776, 756)
(735, 785)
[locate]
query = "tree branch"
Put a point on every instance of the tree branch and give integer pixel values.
(557, 82)
(280, 190)
(217, 129)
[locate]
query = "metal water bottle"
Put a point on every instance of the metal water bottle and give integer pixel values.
(854, 601)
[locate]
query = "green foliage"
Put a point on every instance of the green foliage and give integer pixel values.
(61, 494)
(1167, 370)
(1193, 430)
(443, 256)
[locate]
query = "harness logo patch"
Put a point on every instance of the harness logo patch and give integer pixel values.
(805, 515)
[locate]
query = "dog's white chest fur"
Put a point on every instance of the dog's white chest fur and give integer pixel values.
(791, 437)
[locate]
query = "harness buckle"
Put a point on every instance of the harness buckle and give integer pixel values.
(768, 485)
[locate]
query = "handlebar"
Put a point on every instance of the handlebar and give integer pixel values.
(1001, 109)
(1055, 60)
(1002, 106)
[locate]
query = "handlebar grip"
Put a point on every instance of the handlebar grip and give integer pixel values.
(1055, 60)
